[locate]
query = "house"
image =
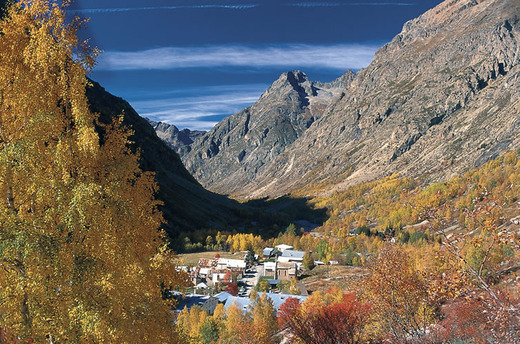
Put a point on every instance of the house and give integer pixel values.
(270, 269)
(202, 285)
(213, 271)
(223, 263)
(194, 277)
(244, 303)
(291, 256)
(267, 252)
(207, 263)
(283, 247)
(212, 303)
(286, 271)
(283, 271)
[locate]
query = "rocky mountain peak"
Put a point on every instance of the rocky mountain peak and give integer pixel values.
(240, 146)
(440, 98)
(290, 82)
(178, 140)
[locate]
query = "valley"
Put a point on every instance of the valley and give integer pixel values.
(380, 207)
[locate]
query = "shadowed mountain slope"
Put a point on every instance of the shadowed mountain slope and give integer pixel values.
(188, 207)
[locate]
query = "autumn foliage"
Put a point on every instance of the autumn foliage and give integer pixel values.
(82, 257)
(342, 321)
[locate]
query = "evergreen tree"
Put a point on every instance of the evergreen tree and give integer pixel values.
(81, 255)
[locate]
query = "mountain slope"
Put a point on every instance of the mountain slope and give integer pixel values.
(241, 146)
(188, 207)
(442, 97)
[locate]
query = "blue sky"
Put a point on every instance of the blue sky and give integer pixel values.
(193, 62)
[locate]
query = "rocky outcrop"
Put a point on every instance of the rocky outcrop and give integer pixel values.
(242, 146)
(179, 140)
(442, 97)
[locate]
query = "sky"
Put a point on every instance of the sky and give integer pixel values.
(193, 62)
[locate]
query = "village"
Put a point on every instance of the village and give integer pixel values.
(232, 281)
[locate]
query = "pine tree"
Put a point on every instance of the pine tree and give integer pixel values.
(82, 259)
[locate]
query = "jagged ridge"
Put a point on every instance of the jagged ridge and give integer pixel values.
(442, 97)
(241, 147)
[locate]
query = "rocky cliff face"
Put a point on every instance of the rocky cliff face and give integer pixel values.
(442, 97)
(242, 146)
(179, 140)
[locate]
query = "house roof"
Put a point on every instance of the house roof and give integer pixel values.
(223, 296)
(244, 303)
(293, 254)
(232, 263)
(284, 247)
(191, 300)
(267, 251)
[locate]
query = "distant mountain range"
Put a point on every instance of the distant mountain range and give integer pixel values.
(179, 140)
(440, 98)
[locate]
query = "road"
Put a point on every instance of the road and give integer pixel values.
(252, 277)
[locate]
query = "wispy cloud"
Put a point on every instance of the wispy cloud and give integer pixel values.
(233, 7)
(338, 4)
(200, 108)
(290, 56)
(155, 8)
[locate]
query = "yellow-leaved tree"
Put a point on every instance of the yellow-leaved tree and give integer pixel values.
(82, 257)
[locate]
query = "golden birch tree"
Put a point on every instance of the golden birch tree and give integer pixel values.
(82, 259)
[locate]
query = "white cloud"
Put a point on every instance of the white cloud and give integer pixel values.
(290, 56)
(337, 4)
(199, 112)
(153, 8)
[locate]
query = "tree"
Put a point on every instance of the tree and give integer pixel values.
(398, 295)
(308, 261)
(190, 323)
(291, 230)
(335, 322)
(232, 288)
(82, 258)
(264, 320)
(323, 249)
(209, 331)
(236, 328)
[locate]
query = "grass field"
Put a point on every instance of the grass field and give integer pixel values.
(324, 277)
(193, 258)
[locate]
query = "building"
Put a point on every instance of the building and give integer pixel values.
(223, 263)
(210, 304)
(291, 256)
(286, 271)
(284, 247)
(270, 269)
(267, 252)
(244, 303)
(215, 270)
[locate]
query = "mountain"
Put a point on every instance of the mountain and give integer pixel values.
(242, 146)
(179, 140)
(440, 98)
(188, 207)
